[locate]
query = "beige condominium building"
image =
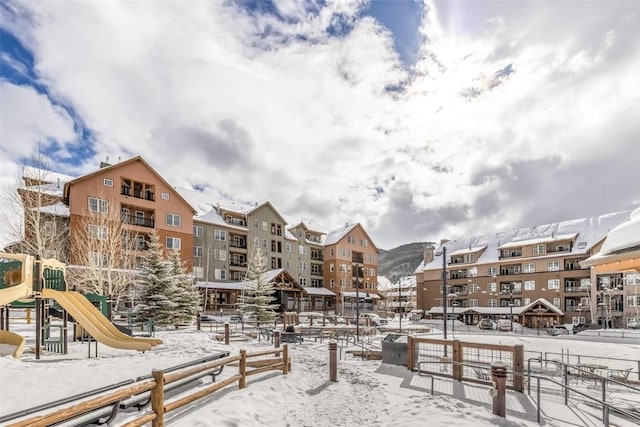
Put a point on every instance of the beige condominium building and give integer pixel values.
(304, 259)
(533, 275)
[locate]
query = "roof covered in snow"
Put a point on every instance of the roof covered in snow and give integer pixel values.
(334, 236)
(587, 233)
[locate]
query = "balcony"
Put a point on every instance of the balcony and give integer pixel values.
(238, 263)
(510, 254)
(138, 194)
(316, 257)
(240, 244)
(137, 220)
(317, 273)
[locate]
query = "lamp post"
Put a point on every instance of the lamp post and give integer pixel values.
(511, 307)
(444, 294)
(358, 281)
(400, 304)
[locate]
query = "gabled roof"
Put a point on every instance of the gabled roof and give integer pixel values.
(621, 250)
(268, 204)
(118, 165)
(334, 236)
(214, 217)
(588, 232)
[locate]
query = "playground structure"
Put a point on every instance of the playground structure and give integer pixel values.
(29, 282)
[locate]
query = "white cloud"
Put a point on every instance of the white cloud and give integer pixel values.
(287, 112)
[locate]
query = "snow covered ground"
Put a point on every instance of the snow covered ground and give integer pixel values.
(365, 394)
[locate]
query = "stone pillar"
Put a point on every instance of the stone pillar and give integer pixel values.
(499, 377)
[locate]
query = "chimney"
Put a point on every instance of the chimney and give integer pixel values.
(428, 252)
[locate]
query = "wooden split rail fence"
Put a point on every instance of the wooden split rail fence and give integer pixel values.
(248, 364)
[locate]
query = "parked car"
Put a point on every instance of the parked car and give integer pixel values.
(579, 327)
(207, 318)
(486, 324)
(375, 319)
(633, 324)
(557, 330)
(505, 325)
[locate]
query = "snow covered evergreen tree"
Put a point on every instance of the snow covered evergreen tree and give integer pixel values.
(187, 297)
(258, 295)
(155, 287)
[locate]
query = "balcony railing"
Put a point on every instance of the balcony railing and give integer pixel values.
(238, 263)
(136, 220)
(238, 244)
(138, 194)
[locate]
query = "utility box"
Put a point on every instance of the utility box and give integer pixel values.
(394, 349)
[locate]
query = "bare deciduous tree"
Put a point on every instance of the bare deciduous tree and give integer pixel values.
(35, 218)
(103, 253)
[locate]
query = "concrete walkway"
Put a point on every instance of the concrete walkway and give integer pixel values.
(520, 406)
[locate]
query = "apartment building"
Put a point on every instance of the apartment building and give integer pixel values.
(533, 275)
(350, 266)
(134, 194)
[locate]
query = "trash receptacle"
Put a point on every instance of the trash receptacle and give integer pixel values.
(394, 349)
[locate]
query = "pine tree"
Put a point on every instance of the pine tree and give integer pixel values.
(257, 297)
(187, 297)
(155, 286)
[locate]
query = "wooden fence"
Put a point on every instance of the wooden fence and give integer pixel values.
(466, 361)
(248, 365)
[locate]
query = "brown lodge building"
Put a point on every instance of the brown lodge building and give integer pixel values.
(533, 274)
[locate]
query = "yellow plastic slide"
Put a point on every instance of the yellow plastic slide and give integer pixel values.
(11, 343)
(87, 318)
(82, 300)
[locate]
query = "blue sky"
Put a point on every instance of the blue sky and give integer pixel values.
(422, 120)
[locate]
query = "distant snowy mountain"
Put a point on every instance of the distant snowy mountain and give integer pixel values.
(401, 261)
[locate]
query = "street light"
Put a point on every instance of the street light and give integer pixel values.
(400, 303)
(444, 294)
(358, 282)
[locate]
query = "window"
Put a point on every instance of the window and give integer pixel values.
(264, 244)
(172, 219)
(553, 266)
(516, 287)
(553, 284)
(303, 281)
(287, 247)
(529, 285)
(219, 235)
(343, 252)
(342, 268)
(529, 267)
(469, 258)
(198, 272)
(220, 274)
(256, 224)
(303, 265)
(98, 232)
(287, 264)
(473, 303)
(527, 301)
(98, 259)
(491, 303)
(98, 205)
(220, 254)
(265, 226)
(473, 288)
(556, 301)
(198, 231)
(331, 252)
(107, 182)
(632, 279)
(173, 243)
(539, 249)
(351, 239)
(364, 242)
(165, 196)
(332, 283)
(563, 248)
(139, 218)
(633, 300)
(491, 271)
(332, 267)
(492, 287)
(372, 272)
(197, 251)
(302, 250)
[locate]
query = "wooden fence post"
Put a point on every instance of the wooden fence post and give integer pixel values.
(333, 361)
(285, 359)
(518, 368)
(226, 333)
(457, 367)
(157, 398)
(276, 340)
(410, 361)
(242, 382)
